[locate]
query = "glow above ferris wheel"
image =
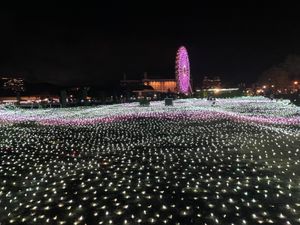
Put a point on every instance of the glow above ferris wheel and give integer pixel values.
(183, 71)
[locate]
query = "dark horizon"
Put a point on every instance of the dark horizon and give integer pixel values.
(97, 45)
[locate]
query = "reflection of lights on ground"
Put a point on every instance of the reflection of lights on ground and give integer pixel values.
(235, 163)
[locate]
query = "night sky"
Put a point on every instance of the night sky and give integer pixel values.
(96, 44)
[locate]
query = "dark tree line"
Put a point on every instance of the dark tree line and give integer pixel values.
(282, 75)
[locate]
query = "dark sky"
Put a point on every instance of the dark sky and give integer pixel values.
(98, 43)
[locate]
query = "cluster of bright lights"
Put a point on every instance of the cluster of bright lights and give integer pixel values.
(245, 109)
(236, 162)
(183, 71)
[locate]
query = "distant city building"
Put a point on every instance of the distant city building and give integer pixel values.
(12, 84)
(11, 89)
(211, 83)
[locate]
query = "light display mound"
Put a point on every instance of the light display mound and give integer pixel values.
(183, 71)
(192, 163)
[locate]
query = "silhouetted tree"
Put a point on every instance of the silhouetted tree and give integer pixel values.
(283, 74)
(63, 98)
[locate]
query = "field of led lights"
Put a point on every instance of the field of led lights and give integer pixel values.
(237, 162)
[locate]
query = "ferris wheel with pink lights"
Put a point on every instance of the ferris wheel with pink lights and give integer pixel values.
(183, 71)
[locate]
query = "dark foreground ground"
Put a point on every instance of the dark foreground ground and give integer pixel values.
(150, 171)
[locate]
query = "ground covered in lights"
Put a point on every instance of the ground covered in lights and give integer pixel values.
(236, 162)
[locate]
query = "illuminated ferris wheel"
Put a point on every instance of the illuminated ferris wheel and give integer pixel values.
(183, 71)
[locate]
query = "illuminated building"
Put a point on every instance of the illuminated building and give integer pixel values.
(11, 88)
(13, 85)
(148, 86)
(161, 85)
(211, 83)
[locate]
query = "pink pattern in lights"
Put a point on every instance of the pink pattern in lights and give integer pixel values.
(183, 70)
